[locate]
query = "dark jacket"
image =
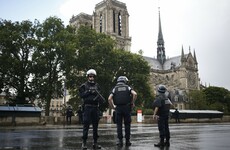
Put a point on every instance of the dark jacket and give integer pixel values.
(69, 112)
(163, 103)
(88, 93)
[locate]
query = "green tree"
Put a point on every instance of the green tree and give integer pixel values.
(217, 98)
(197, 100)
(53, 59)
(137, 70)
(140, 52)
(96, 50)
(17, 44)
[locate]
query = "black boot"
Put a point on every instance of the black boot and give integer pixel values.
(96, 146)
(167, 143)
(160, 144)
(84, 147)
(120, 143)
(128, 143)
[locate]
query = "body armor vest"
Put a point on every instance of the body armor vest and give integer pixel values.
(90, 99)
(122, 95)
(165, 105)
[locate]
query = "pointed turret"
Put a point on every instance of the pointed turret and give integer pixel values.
(160, 44)
(195, 56)
(182, 54)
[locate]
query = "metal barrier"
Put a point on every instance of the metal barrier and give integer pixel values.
(13, 114)
(197, 114)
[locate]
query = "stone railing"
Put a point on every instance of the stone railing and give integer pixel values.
(50, 120)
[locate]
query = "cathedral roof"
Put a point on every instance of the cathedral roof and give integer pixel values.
(153, 63)
(173, 62)
(111, 2)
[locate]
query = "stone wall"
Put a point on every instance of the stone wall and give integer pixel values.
(12, 120)
(50, 120)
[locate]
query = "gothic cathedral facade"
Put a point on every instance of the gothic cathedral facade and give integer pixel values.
(179, 74)
(110, 17)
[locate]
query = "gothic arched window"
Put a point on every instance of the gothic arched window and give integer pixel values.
(100, 23)
(119, 24)
(114, 21)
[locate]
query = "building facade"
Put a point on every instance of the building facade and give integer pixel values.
(179, 74)
(110, 17)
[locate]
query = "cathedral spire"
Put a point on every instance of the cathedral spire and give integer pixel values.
(160, 44)
(160, 35)
(195, 56)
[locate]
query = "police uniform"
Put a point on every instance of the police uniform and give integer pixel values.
(163, 104)
(121, 94)
(90, 114)
(69, 113)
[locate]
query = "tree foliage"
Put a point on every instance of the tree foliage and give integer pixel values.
(17, 43)
(96, 50)
(218, 98)
(36, 56)
(53, 59)
(197, 100)
(213, 98)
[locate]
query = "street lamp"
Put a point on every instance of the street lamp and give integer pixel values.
(64, 94)
(64, 89)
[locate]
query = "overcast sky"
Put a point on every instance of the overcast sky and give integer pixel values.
(201, 24)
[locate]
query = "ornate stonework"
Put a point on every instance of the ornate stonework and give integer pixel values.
(110, 17)
(179, 74)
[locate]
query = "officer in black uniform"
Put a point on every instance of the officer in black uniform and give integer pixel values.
(161, 107)
(69, 114)
(89, 93)
(80, 113)
(123, 97)
(177, 115)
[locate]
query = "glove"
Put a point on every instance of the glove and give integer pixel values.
(92, 91)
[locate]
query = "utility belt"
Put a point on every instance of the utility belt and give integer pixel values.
(90, 105)
(123, 104)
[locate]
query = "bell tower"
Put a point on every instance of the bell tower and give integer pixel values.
(112, 18)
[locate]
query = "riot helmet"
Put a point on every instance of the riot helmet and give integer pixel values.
(122, 79)
(91, 73)
(161, 89)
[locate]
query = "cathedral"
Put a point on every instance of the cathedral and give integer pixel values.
(110, 17)
(179, 74)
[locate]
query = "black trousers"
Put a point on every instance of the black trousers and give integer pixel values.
(68, 119)
(163, 127)
(123, 112)
(90, 116)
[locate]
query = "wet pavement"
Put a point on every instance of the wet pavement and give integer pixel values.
(183, 137)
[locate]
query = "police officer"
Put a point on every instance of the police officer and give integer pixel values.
(161, 107)
(177, 115)
(69, 114)
(123, 97)
(80, 113)
(91, 102)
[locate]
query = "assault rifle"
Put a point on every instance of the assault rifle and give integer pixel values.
(102, 99)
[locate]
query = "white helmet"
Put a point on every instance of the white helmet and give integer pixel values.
(122, 79)
(91, 72)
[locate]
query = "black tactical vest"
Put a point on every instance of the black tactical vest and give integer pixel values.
(122, 95)
(90, 99)
(165, 105)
